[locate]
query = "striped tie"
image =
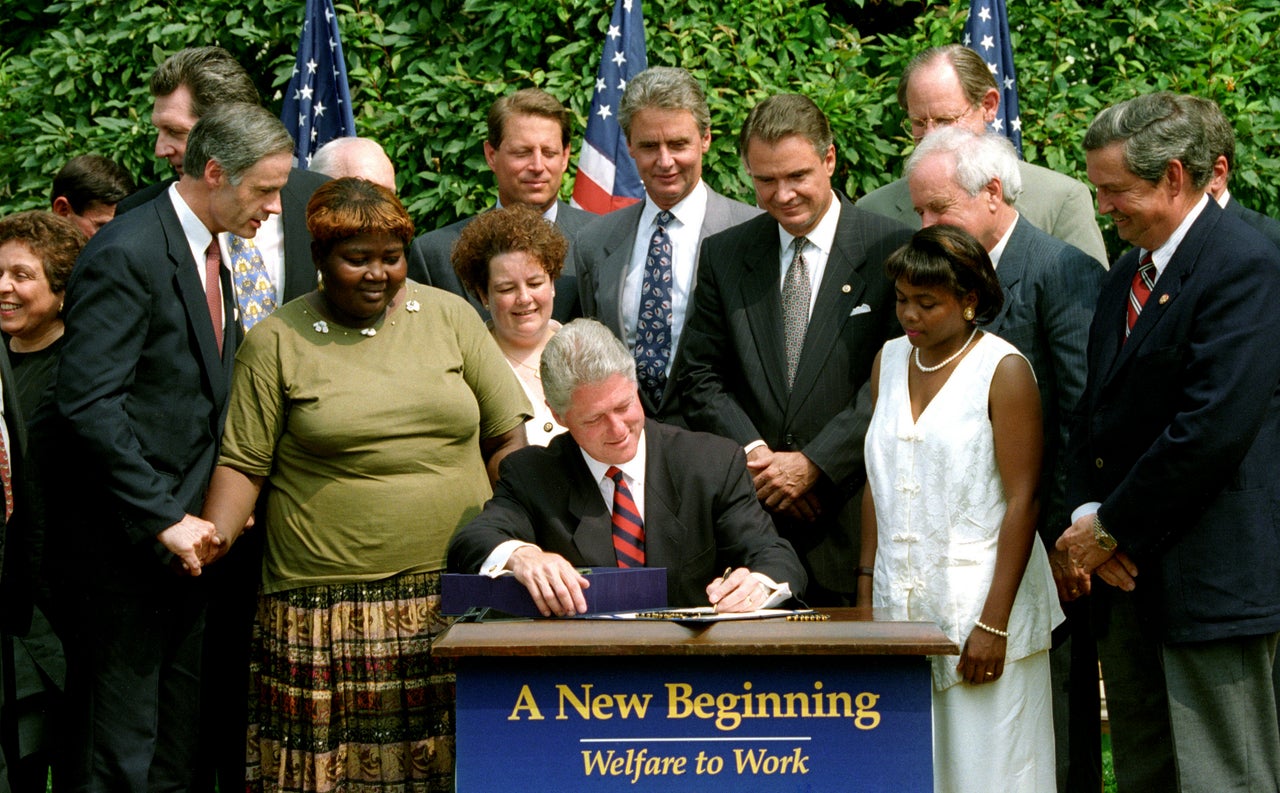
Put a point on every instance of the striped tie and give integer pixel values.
(1143, 282)
(628, 528)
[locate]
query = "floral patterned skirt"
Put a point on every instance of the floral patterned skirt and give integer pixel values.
(345, 695)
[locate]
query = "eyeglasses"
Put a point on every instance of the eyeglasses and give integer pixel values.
(919, 127)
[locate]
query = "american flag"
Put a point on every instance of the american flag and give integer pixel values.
(607, 177)
(986, 32)
(317, 103)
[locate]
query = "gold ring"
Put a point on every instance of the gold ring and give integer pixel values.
(991, 674)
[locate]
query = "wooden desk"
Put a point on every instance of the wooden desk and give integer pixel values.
(570, 705)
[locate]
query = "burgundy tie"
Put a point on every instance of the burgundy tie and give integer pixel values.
(1143, 282)
(628, 528)
(213, 288)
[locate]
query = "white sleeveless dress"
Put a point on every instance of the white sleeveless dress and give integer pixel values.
(939, 504)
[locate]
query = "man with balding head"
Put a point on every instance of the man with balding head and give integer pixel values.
(960, 178)
(527, 149)
(360, 157)
(637, 266)
(952, 85)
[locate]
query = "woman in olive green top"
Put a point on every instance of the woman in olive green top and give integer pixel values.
(377, 410)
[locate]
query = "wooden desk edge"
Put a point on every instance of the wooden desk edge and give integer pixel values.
(849, 632)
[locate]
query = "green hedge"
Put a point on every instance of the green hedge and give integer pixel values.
(73, 77)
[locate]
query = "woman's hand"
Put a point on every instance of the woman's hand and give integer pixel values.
(982, 658)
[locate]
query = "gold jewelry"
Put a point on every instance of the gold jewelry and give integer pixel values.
(969, 313)
(1101, 536)
(536, 373)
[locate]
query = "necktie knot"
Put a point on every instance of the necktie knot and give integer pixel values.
(1144, 280)
(614, 473)
(664, 219)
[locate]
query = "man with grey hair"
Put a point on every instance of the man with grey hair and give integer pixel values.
(360, 157)
(789, 312)
(621, 490)
(960, 178)
(637, 266)
(952, 86)
(1173, 462)
(142, 389)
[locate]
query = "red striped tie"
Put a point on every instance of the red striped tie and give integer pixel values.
(1143, 282)
(628, 528)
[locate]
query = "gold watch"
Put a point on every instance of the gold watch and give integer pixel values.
(1100, 535)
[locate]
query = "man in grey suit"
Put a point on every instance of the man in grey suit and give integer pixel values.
(1222, 147)
(1050, 288)
(789, 312)
(618, 256)
(952, 85)
(528, 151)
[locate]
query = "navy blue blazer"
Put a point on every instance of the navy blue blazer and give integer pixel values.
(1179, 432)
(142, 390)
(701, 513)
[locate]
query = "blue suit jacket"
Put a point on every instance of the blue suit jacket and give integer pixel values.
(143, 391)
(1050, 289)
(1179, 437)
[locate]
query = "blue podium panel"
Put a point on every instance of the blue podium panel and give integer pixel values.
(669, 725)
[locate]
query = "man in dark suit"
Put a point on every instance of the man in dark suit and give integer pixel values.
(953, 86)
(142, 386)
(528, 151)
(15, 582)
(87, 189)
(637, 255)
(788, 315)
(972, 181)
(1174, 464)
(1222, 147)
(184, 87)
(682, 500)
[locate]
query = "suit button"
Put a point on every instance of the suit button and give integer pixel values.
(1098, 462)
(790, 440)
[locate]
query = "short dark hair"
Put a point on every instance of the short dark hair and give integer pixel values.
(783, 115)
(972, 71)
(237, 136)
(515, 228)
(54, 240)
(211, 74)
(528, 102)
(348, 207)
(1154, 130)
(950, 257)
(89, 178)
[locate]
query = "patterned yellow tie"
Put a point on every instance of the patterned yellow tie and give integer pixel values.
(255, 294)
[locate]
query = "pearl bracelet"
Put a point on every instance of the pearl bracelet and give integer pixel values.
(989, 629)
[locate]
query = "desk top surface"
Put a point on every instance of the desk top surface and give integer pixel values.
(848, 632)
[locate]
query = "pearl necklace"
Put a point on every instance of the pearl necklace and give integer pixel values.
(927, 369)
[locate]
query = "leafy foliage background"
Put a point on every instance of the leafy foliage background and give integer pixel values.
(73, 76)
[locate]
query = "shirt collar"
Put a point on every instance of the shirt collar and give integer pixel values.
(633, 469)
(823, 235)
(198, 236)
(695, 202)
(998, 251)
(1161, 256)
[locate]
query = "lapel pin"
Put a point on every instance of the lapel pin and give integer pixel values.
(1164, 298)
(846, 289)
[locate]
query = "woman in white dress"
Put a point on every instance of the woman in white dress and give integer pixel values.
(953, 460)
(510, 258)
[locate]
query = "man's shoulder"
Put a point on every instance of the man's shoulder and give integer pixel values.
(571, 220)
(1268, 226)
(892, 200)
(303, 182)
(1046, 248)
(685, 445)
(142, 196)
(600, 229)
(443, 237)
(1041, 180)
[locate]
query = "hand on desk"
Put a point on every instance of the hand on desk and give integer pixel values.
(737, 591)
(555, 585)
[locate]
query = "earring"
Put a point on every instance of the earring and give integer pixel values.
(969, 313)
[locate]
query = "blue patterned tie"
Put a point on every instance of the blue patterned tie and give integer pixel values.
(255, 294)
(653, 327)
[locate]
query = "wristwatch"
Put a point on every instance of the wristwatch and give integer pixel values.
(1100, 535)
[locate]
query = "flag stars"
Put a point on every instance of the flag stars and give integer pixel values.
(600, 86)
(1008, 83)
(1017, 124)
(619, 58)
(622, 85)
(614, 32)
(311, 66)
(988, 42)
(604, 112)
(994, 67)
(985, 14)
(306, 92)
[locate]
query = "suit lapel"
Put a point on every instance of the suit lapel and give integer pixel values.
(839, 293)
(593, 535)
(762, 300)
(613, 270)
(662, 527)
(1013, 263)
(191, 291)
